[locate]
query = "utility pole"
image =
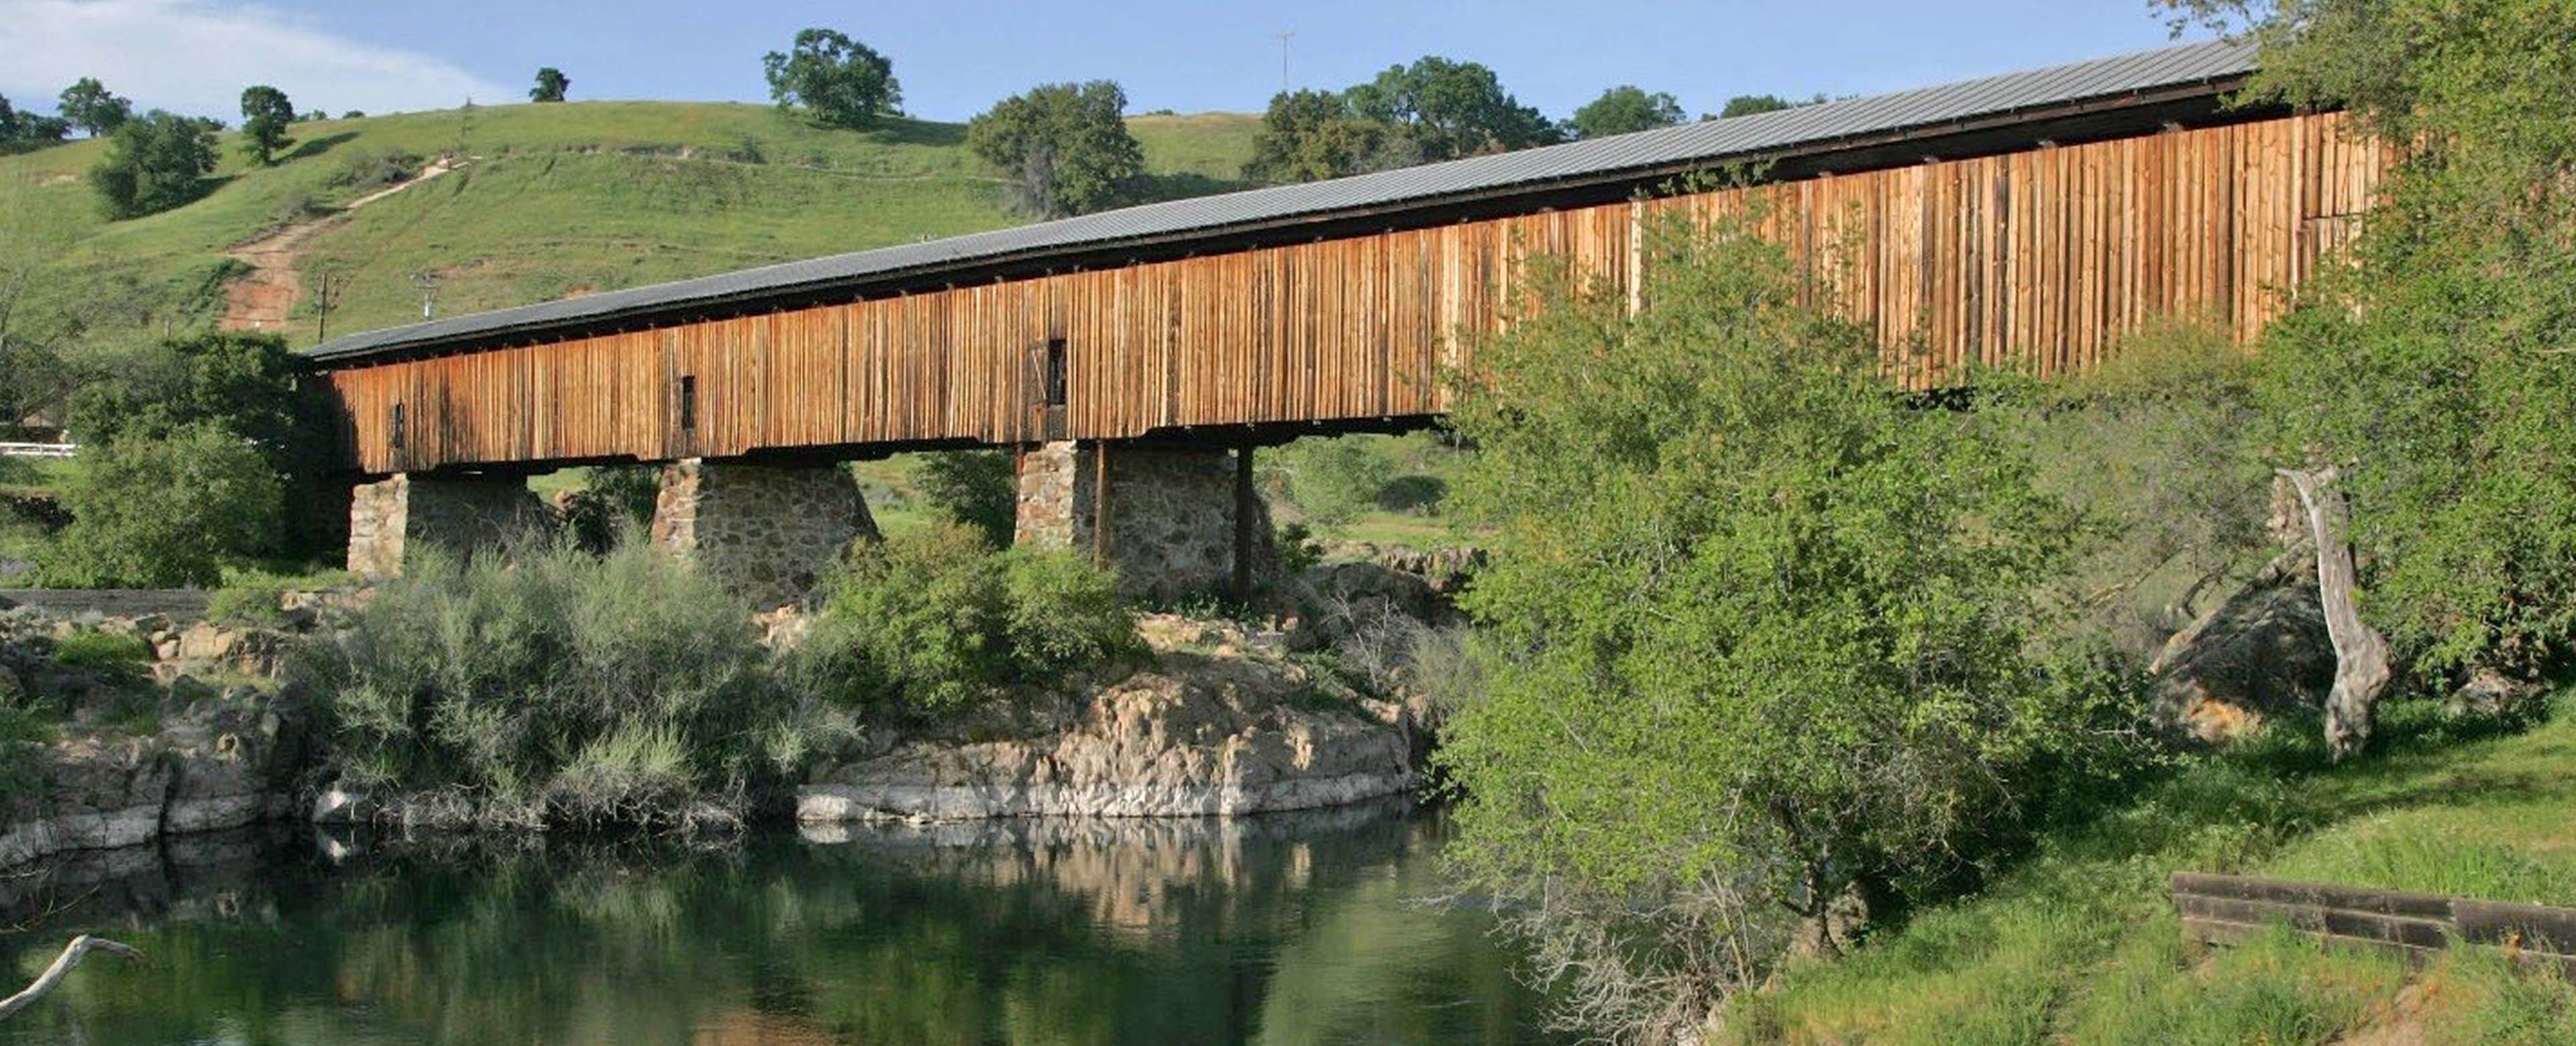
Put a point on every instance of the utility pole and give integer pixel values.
(327, 287)
(1283, 59)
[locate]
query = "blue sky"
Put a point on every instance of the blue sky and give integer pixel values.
(957, 58)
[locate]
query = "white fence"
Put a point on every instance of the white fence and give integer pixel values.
(37, 450)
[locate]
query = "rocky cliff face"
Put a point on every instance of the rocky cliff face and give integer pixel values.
(1220, 723)
(148, 750)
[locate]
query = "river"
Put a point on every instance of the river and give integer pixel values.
(1307, 928)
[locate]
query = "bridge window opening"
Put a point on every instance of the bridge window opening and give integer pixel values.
(688, 402)
(1055, 372)
(394, 437)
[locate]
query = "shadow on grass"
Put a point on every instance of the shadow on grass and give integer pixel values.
(904, 131)
(1158, 188)
(318, 146)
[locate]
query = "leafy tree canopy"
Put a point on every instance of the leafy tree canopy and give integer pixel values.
(1435, 109)
(2436, 370)
(1749, 104)
(21, 131)
(1066, 147)
(266, 113)
(164, 511)
(1625, 108)
(551, 84)
(243, 384)
(1763, 627)
(87, 105)
(840, 81)
(155, 162)
(1312, 135)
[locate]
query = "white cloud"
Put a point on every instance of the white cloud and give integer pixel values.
(195, 56)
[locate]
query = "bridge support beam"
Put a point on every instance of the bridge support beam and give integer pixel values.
(769, 532)
(1171, 521)
(391, 517)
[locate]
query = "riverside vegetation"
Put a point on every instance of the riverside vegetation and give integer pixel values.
(1815, 715)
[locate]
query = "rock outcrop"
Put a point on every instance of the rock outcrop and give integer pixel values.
(221, 761)
(2261, 653)
(1217, 725)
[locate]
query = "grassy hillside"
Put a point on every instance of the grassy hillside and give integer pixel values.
(2080, 943)
(567, 199)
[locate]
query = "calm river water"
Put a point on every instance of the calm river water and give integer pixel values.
(1288, 929)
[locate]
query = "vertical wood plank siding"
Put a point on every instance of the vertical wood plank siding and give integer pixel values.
(2038, 260)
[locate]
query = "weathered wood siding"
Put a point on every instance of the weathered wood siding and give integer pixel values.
(2037, 259)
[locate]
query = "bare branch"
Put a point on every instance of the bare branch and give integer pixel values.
(63, 965)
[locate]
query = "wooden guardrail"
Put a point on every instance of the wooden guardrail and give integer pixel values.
(2223, 909)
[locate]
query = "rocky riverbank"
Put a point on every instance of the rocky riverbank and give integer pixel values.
(1221, 722)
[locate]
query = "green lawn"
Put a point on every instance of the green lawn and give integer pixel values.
(569, 199)
(2079, 944)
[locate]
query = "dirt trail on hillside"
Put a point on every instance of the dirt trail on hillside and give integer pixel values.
(263, 299)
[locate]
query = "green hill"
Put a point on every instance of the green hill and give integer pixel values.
(553, 200)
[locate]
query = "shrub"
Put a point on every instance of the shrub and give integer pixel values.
(934, 619)
(372, 170)
(1061, 613)
(1764, 629)
(585, 688)
(155, 162)
(973, 487)
(164, 512)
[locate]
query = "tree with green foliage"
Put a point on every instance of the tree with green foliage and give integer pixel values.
(840, 82)
(155, 162)
(977, 488)
(2434, 371)
(1308, 136)
(1762, 628)
(88, 106)
(1624, 109)
(243, 384)
(1440, 109)
(551, 85)
(164, 511)
(21, 131)
(930, 621)
(266, 114)
(1065, 147)
(1763, 104)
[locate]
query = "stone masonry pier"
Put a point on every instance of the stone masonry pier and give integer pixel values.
(390, 517)
(769, 532)
(1167, 524)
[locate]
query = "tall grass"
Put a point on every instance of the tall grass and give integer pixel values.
(550, 685)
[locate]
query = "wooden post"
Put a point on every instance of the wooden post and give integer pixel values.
(1100, 502)
(1243, 504)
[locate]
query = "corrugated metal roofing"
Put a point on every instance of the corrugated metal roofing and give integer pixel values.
(1711, 142)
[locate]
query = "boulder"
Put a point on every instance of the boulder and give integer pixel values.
(1191, 735)
(2260, 653)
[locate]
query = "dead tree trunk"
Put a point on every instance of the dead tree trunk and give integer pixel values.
(71, 957)
(2361, 653)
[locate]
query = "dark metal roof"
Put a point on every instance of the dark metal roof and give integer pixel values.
(1707, 143)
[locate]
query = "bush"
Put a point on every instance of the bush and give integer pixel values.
(574, 688)
(975, 487)
(1763, 629)
(246, 384)
(164, 512)
(934, 619)
(104, 652)
(1061, 613)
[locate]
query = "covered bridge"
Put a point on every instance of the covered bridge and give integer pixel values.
(2023, 220)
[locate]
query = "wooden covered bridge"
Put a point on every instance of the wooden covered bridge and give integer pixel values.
(2024, 220)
